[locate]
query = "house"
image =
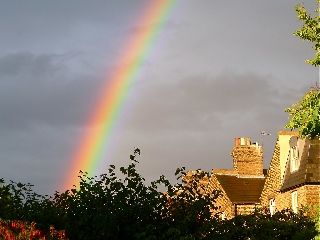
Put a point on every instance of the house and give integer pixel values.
(241, 186)
(292, 180)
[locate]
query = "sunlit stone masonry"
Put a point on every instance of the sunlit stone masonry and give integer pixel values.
(291, 181)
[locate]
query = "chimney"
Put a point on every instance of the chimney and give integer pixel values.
(247, 157)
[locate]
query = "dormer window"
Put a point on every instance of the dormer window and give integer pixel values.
(294, 158)
(294, 154)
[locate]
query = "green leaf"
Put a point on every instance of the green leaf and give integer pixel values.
(304, 115)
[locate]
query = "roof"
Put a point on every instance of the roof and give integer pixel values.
(309, 169)
(242, 189)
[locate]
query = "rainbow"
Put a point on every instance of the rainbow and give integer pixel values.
(116, 91)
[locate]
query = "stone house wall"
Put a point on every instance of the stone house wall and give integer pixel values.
(222, 201)
(273, 180)
(285, 198)
(308, 196)
(245, 209)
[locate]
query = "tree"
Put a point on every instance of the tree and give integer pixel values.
(305, 115)
(18, 201)
(124, 207)
(310, 30)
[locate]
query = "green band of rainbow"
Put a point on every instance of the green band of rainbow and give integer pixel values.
(115, 93)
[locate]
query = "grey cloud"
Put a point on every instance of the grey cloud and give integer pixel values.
(40, 90)
(218, 70)
(196, 119)
(201, 100)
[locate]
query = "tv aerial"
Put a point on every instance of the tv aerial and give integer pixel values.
(264, 133)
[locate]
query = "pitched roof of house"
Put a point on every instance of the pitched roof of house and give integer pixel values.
(242, 189)
(309, 169)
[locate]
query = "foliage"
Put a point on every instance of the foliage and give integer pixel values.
(19, 202)
(317, 220)
(110, 207)
(107, 207)
(261, 225)
(310, 31)
(305, 115)
(19, 230)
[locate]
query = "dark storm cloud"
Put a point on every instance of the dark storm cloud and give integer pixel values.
(200, 101)
(40, 90)
(43, 106)
(196, 119)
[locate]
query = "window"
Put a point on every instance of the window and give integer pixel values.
(294, 196)
(294, 158)
(272, 206)
(223, 216)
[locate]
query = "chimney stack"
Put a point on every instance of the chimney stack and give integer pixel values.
(247, 157)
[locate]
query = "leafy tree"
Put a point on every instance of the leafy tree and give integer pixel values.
(310, 30)
(108, 207)
(305, 115)
(19, 202)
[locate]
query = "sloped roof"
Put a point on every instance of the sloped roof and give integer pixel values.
(242, 189)
(309, 169)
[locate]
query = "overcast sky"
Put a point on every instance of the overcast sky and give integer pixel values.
(218, 70)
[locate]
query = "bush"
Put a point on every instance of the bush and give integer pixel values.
(19, 230)
(110, 206)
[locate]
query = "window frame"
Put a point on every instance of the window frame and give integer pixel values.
(294, 159)
(294, 203)
(272, 206)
